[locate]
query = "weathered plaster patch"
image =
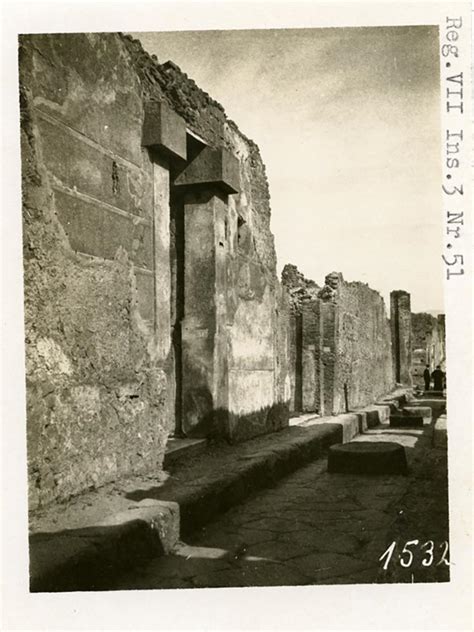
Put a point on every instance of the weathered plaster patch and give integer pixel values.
(250, 391)
(251, 335)
(55, 360)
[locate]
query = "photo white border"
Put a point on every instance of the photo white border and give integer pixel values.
(355, 607)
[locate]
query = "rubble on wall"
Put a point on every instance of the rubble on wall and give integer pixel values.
(299, 288)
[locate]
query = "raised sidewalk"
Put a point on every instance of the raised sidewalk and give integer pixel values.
(77, 545)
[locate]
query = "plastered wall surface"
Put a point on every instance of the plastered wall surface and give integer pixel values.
(97, 371)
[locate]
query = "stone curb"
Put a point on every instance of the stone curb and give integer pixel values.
(262, 470)
(86, 559)
(440, 434)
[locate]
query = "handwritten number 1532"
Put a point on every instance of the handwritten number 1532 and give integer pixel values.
(406, 556)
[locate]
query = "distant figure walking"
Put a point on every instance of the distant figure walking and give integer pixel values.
(427, 377)
(438, 378)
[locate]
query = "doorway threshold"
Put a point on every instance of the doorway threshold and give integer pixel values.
(178, 448)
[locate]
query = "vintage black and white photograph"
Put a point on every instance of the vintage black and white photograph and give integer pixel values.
(235, 251)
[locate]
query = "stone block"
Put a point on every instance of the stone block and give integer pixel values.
(393, 405)
(161, 517)
(429, 394)
(362, 419)
(406, 421)
(417, 411)
(212, 167)
(440, 433)
(350, 426)
(367, 457)
(384, 412)
(164, 130)
(85, 558)
(376, 414)
(373, 417)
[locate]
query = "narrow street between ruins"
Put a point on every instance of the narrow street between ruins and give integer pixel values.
(187, 373)
(319, 528)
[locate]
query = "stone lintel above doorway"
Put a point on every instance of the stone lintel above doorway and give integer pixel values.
(211, 167)
(164, 130)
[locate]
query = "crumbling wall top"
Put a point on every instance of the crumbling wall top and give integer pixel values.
(300, 289)
(166, 81)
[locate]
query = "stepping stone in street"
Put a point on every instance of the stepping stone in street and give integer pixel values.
(367, 457)
(430, 394)
(417, 411)
(394, 409)
(440, 438)
(406, 421)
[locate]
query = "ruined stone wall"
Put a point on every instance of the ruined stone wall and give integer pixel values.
(343, 357)
(105, 283)
(97, 356)
(363, 364)
(428, 344)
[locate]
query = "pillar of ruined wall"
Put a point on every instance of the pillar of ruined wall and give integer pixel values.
(311, 357)
(400, 324)
(428, 344)
(304, 341)
(121, 156)
(98, 367)
(441, 318)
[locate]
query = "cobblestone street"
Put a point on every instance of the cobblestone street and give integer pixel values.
(320, 528)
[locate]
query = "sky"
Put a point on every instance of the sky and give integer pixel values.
(348, 125)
